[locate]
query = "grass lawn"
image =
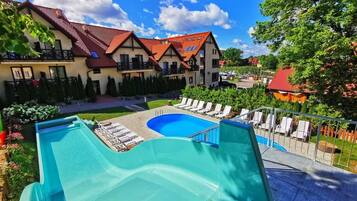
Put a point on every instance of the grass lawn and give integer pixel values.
(157, 103)
(102, 114)
(346, 150)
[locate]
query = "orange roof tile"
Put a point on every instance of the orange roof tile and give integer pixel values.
(117, 41)
(281, 81)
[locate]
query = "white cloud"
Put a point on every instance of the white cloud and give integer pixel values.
(147, 11)
(251, 31)
(170, 35)
(100, 11)
(166, 2)
(193, 1)
(251, 50)
(174, 18)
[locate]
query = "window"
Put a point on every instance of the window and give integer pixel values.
(140, 58)
(94, 55)
(20, 73)
(97, 71)
(215, 77)
(190, 80)
(58, 72)
(214, 51)
(215, 63)
(57, 45)
(165, 67)
(124, 59)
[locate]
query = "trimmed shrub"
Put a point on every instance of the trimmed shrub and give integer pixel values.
(90, 92)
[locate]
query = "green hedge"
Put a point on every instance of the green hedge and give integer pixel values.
(256, 97)
(45, 90)
(151, 85)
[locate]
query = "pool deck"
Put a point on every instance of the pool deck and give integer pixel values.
(291, 177)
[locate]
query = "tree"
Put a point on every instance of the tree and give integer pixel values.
(14, 24)
(80, 88)
(269, 61)
(233, 56)
(317, 39)
(90, 92)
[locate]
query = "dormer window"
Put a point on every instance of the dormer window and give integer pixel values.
(94, 55)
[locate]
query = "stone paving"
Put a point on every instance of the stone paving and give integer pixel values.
(291, 177)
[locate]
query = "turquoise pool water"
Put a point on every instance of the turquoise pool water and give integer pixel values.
(183, 125)
(76, 166)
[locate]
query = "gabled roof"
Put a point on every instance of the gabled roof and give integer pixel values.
(57, 19)
(190, 44)
(159, 48)
(120, 39)
(281, 82)
(117, 41)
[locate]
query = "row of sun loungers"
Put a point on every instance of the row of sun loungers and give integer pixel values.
(285, 126)
(119, 137)
(199, 107)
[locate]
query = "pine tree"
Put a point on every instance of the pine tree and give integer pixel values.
(90, 92)
(43, 93)
(80, 88)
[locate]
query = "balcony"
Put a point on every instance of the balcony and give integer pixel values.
(45, 55)
(132, 66)
(173, 70)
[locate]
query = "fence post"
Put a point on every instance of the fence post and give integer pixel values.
(317, 141)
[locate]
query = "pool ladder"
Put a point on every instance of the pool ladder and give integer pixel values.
(159, 113)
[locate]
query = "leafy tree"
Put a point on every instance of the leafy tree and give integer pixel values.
(90, 92)
(14, 24)
(233, 56)
(269, 61)
(317, 39)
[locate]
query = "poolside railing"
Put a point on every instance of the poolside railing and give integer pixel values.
(210, 135)
(328, 140)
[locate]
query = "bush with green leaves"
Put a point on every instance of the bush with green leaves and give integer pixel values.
(29, 112)
(257, 97)
(90, 92)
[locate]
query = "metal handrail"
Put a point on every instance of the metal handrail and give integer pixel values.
(204, 131)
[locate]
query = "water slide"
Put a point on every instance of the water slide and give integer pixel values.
(76, 166)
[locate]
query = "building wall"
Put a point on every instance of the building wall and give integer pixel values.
(65, 41)
(130, 51)
(78, 66)
(209, 56)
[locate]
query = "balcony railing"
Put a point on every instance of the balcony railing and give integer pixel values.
(45, 55)
(173, 70)
(124, 66)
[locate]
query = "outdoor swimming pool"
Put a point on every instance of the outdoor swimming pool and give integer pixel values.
(76, 166)
(183, 125)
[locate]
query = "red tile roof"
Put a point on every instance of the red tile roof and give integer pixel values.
(104, 40)
(117, 41)
(281, 82)
(60, 22)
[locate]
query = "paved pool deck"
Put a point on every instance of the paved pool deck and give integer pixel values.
(291, 177)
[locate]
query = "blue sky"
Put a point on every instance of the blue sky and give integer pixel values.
(229, 20)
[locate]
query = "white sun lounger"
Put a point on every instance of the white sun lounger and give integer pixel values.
(284, 126)
(183, 102)
(207, 109)
(188, 103)
(302, 131)
(194, 104)
(243, 114)
(268, 125)
(127, 137)
(199, 106)
(134, 141)
(217, 110)
(226, 111)
(257, 118)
